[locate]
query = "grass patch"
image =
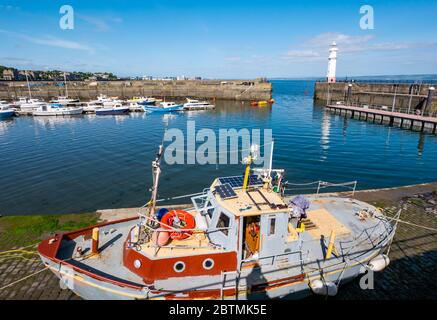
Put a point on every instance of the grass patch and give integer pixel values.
(19, 231)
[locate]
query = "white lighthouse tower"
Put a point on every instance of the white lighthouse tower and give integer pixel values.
(332, 63)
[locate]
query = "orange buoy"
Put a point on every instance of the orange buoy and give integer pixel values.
(178, 219)
(254, 103)
(160, 238)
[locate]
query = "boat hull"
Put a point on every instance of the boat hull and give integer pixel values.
(88, 287)
(6, 114)
(290, 282)
(74, 112)
(146, 103)
(103, 112)
(175, 108)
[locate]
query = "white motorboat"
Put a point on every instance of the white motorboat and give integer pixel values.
(193, 104)
(5, 110)
(30, 105)
(57, 110)
(64, 100)
(102, 102)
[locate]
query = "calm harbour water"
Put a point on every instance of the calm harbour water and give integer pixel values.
(80, 164)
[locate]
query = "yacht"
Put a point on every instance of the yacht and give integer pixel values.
(193, 104)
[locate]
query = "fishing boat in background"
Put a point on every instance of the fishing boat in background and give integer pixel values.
(57, 110)
(112, 108)
(6, 111)
(193, 104)
(164, 107)
(148, 101)
(241, 239)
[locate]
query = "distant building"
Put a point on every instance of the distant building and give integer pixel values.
(8, 74)
(332, 63)
(147, 78)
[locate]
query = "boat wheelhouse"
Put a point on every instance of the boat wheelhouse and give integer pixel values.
(242, 239)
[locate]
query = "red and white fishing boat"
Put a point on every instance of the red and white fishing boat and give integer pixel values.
(242, 239)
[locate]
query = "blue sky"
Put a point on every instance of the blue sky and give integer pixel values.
(220, 39)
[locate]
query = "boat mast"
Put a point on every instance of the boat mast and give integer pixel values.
(248, 161)
(271, 159)
(156, 171)
(28, 85)
(66, 88)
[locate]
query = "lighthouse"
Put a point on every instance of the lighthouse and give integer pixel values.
(332, 63)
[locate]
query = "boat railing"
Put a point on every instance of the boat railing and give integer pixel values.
(367, 236)
(318, 186)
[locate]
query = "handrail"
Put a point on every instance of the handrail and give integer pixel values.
(322, 185)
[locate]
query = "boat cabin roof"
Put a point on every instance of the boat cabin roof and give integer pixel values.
(255, 200)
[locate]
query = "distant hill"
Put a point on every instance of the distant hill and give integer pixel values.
(9, 73)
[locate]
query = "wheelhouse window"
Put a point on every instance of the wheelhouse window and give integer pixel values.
(209, 212)
(272, 226)
(223, 222)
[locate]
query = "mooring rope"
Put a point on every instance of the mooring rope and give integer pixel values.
(413, 224)
(22, 279)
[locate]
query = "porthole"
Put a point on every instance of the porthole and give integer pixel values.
(208, 264)
(179, 266)
(137, 264)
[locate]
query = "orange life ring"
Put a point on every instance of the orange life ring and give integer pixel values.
(186, 222)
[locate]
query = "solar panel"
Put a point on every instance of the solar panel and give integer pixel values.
(237, 181)
(225, 191)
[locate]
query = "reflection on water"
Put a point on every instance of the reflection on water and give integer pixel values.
(74, 164)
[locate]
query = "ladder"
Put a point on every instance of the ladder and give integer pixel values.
(229, 280)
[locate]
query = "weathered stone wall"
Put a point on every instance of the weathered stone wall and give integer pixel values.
(378, 94)
(231, 89)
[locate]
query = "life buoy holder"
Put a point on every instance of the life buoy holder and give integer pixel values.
(186, 221)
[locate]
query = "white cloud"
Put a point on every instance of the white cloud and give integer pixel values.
(317, 47)
(50, 41)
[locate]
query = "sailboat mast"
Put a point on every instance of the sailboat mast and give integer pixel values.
(66, 88)
(28, 85)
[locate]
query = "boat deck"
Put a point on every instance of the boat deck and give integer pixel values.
(354, 236)
(109, 261)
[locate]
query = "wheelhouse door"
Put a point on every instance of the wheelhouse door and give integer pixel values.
(272, 235)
